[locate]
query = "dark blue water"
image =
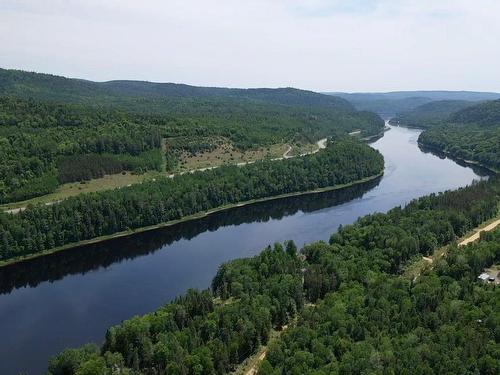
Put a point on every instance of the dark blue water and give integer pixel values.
(71, 298)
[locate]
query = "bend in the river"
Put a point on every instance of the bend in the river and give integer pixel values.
(71, 298)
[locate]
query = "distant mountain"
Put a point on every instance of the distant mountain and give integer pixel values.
(123, 93)
(388, 104)
(430, 114)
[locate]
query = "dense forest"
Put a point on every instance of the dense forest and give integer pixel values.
(343, 307)
(472, 134)
(87, 216)
(147, 96)
(444, 322)
(55, 130)
(43, 145)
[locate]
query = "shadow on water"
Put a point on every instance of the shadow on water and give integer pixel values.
(80, 260)
(71, 298)
(479, 170)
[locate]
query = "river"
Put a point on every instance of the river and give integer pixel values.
(71, 298)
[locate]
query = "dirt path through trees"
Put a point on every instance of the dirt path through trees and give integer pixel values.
(476, 235)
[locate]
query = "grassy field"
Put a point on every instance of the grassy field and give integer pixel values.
(223, 155)
(302, 148)
(71, 189)
(226, 155)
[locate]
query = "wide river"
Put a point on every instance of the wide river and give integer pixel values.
(71, 298)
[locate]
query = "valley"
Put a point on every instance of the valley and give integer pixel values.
(409, 173)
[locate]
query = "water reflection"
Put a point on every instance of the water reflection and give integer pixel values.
(71, 298)
(479, 170)
(83, 259)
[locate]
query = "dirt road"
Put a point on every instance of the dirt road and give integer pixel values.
(475, 236)
(321, 145)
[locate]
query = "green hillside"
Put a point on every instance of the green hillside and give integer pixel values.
(472, 134)
(430, 114)
(149, 96)
(389, 104)
(55, 130)
(486, 114)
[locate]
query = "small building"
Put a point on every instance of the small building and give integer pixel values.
(484, 276)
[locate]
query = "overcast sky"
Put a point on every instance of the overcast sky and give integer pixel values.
(322, 45)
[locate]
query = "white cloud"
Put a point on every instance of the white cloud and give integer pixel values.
(360, 45)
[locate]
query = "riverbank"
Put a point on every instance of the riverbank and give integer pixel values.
(448, 154)
(375, 137)
(196, 216)
(453, 157)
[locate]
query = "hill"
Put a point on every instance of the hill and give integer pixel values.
(471, 134)
(430, 114)
(487, 114)
(145, 95)
(388, 104)
(56, 130)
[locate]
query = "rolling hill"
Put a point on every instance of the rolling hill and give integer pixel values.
(388, 104)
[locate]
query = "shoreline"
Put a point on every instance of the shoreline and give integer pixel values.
(447, 153)
(372, 138)
(170, 223)
(458, 158)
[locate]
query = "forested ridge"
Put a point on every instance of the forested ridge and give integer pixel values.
(120, 92)
(430, 114)
(355, 313)
(55, 130)
(393, 104)
(472, 134)
(39, 140)
(87, 216)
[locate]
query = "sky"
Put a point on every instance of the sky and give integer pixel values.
(320, 45)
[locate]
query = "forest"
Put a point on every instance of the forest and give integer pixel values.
(472, 134)
(39, 228)
(444, 322)
(342, 307)
(55, 130)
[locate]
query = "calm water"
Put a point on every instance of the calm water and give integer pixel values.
(71, 298)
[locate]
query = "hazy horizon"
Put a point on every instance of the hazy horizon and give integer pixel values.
(324, 46)
(263, 87)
